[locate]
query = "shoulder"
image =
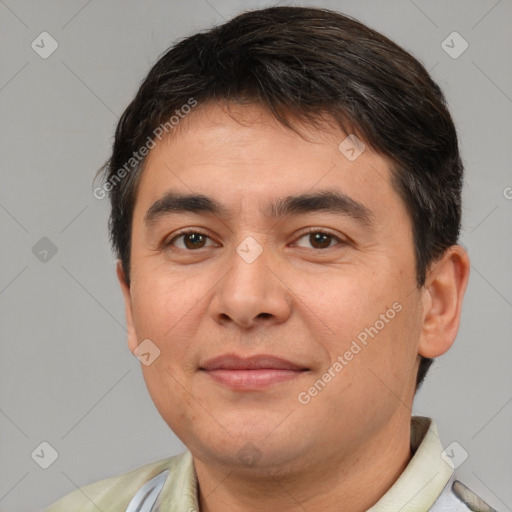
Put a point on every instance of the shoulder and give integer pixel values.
(115, 493)
(470, 499)
(457, 497)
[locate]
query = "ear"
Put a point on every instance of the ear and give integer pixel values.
(443, 293)
(125, 288)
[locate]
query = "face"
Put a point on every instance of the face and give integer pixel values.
(296, 251)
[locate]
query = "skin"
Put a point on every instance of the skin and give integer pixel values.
(297, 300)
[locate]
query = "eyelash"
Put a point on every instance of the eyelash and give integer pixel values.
(308, 232)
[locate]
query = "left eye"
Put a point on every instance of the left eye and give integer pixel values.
(320, 239)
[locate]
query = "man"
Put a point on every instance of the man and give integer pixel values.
(285, 194)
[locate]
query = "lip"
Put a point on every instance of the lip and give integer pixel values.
(257, 362)
(251, 373)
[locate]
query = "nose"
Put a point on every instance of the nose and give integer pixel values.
(252, 292)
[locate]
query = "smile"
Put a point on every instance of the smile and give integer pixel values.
(252, 379)
(251, 373)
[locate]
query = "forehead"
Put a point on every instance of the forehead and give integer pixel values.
(243, 155)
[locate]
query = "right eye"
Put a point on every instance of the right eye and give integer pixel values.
(189, 240)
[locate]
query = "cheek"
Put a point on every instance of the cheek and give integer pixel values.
(370, 321)
(162, 303)
(346, 302)
(390, 352)
(159, 317)
(175, 404)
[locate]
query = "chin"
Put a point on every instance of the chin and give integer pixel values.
(250, 449)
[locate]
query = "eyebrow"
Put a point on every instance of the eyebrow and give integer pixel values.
(328, 200)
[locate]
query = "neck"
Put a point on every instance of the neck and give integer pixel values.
(356, 480)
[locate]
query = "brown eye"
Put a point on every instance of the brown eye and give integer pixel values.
(194, 240)
(190, 240)
(320, 239)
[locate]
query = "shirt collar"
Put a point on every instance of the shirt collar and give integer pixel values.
(179, 493)
(424, 478)
(417, 488)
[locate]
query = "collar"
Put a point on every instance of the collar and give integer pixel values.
(424, 478)
(417, 488)
(180, 491)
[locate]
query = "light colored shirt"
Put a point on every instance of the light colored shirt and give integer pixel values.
(427, 483)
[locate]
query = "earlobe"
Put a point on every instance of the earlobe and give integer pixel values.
(125, 288)
(443, 294)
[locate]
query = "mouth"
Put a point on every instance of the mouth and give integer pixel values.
(251, 373)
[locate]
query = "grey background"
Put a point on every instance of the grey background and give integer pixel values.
(66, 374)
